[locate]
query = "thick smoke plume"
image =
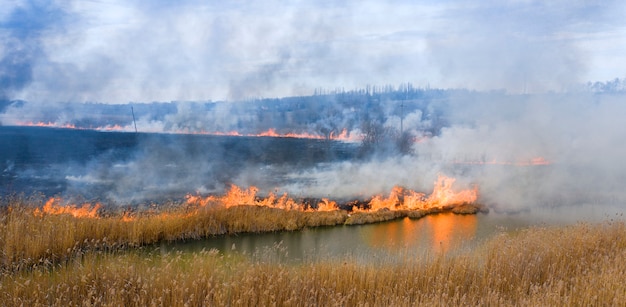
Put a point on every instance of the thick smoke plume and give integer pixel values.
(527, 131)
(522, 151)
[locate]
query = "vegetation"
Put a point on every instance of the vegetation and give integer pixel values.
(30, 237)
(66, 261)
(581, 265)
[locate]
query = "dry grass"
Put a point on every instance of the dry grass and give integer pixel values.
(580, 265)
(360, 218)
(30, 238)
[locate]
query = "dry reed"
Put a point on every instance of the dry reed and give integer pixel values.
(28, 238)
(578, 265)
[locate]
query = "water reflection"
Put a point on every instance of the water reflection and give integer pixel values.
(433, 233)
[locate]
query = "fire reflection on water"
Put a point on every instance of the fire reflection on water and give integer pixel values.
(435, 233)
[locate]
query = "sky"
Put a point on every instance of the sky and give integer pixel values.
(144, 51)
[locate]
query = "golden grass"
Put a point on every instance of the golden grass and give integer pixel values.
(30, 238)
(359, 218)
(579, 265)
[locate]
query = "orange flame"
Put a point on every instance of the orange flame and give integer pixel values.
(48, 124)
(343, 136)
(399, 198)
(53, 206)
(128, 217)
(443, 196)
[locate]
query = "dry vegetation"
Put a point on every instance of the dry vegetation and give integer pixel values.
(582, 265)
(63, 261)
(27, 239)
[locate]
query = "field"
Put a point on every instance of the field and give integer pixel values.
(108, 261)
(58, 252)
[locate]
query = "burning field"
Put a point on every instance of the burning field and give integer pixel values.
(319, 153)
(114, 199)
(80, 255)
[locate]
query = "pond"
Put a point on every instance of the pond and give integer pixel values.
(433, 234)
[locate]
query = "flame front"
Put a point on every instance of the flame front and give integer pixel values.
(443, 196)
(54, 207)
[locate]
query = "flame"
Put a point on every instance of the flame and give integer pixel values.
(344, 135)
(327, 205)
(53, 206)
(128, 217)
(48, 125)
(443, 196)
(237, 196)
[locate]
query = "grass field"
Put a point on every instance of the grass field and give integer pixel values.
(62, 260)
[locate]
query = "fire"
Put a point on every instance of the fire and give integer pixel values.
(54, 207)
(443, 196)
(127, 217)
(343, 136)
(327, 205)
(237, 196)
(49, 125)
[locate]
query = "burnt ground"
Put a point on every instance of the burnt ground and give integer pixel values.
(44, 160)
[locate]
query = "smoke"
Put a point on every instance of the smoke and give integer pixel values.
(121, 51)
(523, 152)
(22, 33)
(491, 141)
(522, 63)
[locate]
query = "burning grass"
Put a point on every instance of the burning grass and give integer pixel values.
(30, 238)
(579, 265)
(36, 231)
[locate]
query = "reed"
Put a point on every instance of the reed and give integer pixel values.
(31, 237)
(577, 265)
(28, 239)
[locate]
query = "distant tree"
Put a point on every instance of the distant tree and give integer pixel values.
(379, 140)
(404, 143)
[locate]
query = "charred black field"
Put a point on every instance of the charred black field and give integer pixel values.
(53, 161)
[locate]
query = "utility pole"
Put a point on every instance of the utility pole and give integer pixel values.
(134, 121)
(401, 117)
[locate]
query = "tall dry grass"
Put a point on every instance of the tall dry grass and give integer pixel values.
(579, 265)
(28, 239)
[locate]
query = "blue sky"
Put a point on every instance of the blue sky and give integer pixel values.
(124, 51)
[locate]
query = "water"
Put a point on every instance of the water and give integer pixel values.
(434, 234)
